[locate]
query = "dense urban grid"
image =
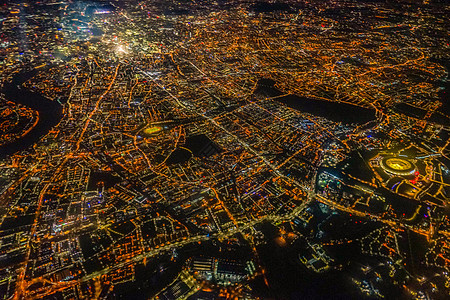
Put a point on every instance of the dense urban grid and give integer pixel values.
(224, 149)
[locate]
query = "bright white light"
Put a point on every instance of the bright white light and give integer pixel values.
(121, 49)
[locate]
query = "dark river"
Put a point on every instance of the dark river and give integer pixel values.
(333, 111)
(440, 116)
(50, 112)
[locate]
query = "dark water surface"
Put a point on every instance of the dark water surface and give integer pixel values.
(333, 111)
(50, 112)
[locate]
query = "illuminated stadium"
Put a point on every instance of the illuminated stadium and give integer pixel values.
(152, 130)
(398, 166)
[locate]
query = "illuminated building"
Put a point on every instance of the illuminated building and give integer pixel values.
(398, 166)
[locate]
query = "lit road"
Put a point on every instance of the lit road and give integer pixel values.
(48, 290)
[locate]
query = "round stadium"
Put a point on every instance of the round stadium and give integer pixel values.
(152, 130)
(398, 166)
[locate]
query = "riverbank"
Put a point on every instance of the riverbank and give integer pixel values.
(50, 113)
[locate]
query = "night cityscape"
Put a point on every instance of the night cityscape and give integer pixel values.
(228, 149)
